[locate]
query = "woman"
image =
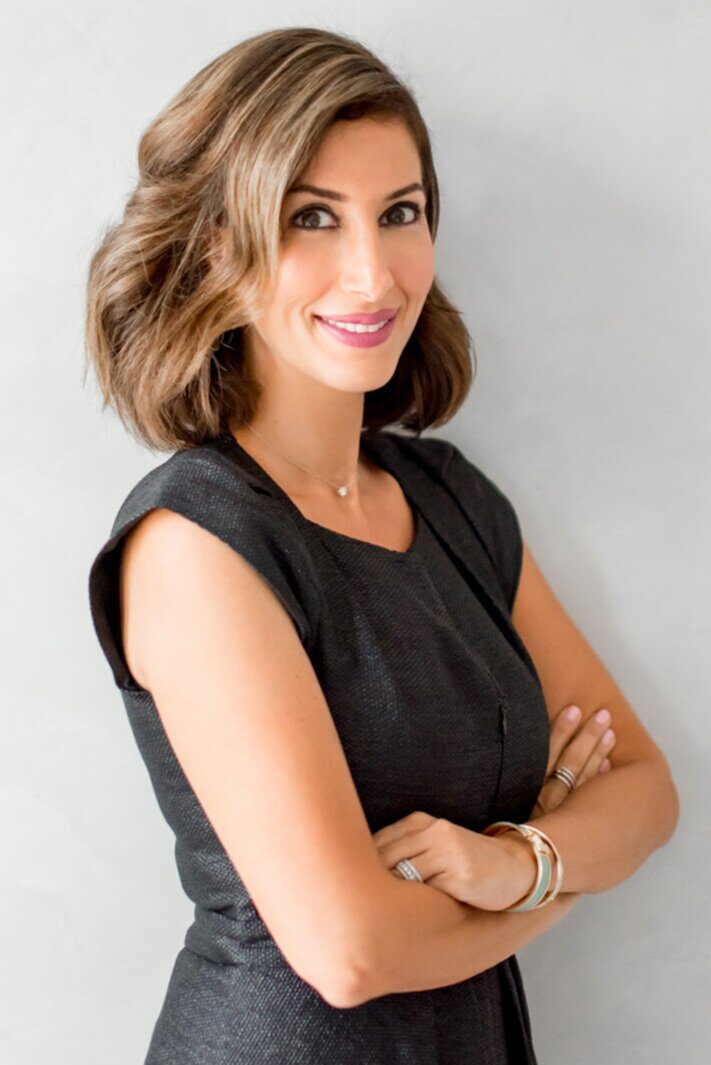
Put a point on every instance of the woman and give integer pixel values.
(346, 674)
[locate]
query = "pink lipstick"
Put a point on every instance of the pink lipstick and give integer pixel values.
(369, 337)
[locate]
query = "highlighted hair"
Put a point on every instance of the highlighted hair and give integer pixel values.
(164, 309)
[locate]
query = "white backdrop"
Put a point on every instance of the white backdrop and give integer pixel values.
(572, 143)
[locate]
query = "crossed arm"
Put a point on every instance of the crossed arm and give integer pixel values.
(295, 829)
(604, 830)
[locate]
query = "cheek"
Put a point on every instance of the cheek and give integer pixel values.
(302, 272)
(416, 270)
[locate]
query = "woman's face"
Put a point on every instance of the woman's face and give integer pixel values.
(352, 247)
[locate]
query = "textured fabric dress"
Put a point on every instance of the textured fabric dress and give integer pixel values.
(438, 708)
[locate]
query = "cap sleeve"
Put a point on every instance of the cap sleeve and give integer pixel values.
(491, 511)
(488, 507)
(211, 491)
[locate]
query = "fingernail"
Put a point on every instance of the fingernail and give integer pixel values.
(605, 766)
(609, 736)
(572, 713)
(603, 716)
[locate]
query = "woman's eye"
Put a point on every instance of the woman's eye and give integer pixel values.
(300, 219)
(414, 207)
(310, 212)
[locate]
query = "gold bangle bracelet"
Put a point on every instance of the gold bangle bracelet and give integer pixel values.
(543, 847)
(558, 864)
(543, 855)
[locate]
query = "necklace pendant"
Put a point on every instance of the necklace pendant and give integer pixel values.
(343, 490)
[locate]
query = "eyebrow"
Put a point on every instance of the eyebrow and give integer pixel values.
(329, 194)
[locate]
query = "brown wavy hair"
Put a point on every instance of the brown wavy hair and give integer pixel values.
(164, 309)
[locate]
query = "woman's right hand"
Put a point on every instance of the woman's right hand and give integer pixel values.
(583, 750)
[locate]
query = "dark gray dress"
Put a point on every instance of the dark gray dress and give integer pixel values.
(438, 708)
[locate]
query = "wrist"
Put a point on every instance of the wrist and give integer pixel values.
(524, 867)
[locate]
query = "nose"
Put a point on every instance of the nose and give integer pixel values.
(366, 266)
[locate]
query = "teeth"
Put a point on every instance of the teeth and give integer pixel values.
(352, 327)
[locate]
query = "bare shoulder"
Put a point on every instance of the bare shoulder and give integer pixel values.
(160, 546)
(174, 566)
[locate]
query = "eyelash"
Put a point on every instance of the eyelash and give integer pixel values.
(320, 207)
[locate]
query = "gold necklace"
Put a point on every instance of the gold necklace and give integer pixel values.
(342, 489)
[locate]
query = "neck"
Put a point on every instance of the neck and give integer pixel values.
(303, 463)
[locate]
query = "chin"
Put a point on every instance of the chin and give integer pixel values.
(344, 378)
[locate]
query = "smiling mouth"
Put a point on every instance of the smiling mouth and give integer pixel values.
(357, 327)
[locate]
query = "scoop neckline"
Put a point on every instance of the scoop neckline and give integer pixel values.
(369, 445)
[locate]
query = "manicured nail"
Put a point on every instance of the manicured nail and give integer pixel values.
(608, 736)
(605, 766)
(572, 713)
(603, 716)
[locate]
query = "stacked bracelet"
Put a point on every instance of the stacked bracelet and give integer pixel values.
(546, 853)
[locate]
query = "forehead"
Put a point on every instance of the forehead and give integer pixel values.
(367, 154)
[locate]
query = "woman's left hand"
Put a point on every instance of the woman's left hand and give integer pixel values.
(489, 872)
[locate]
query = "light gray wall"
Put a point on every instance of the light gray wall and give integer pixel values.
(572, 142)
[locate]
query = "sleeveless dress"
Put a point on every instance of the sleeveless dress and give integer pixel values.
(438, 708)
